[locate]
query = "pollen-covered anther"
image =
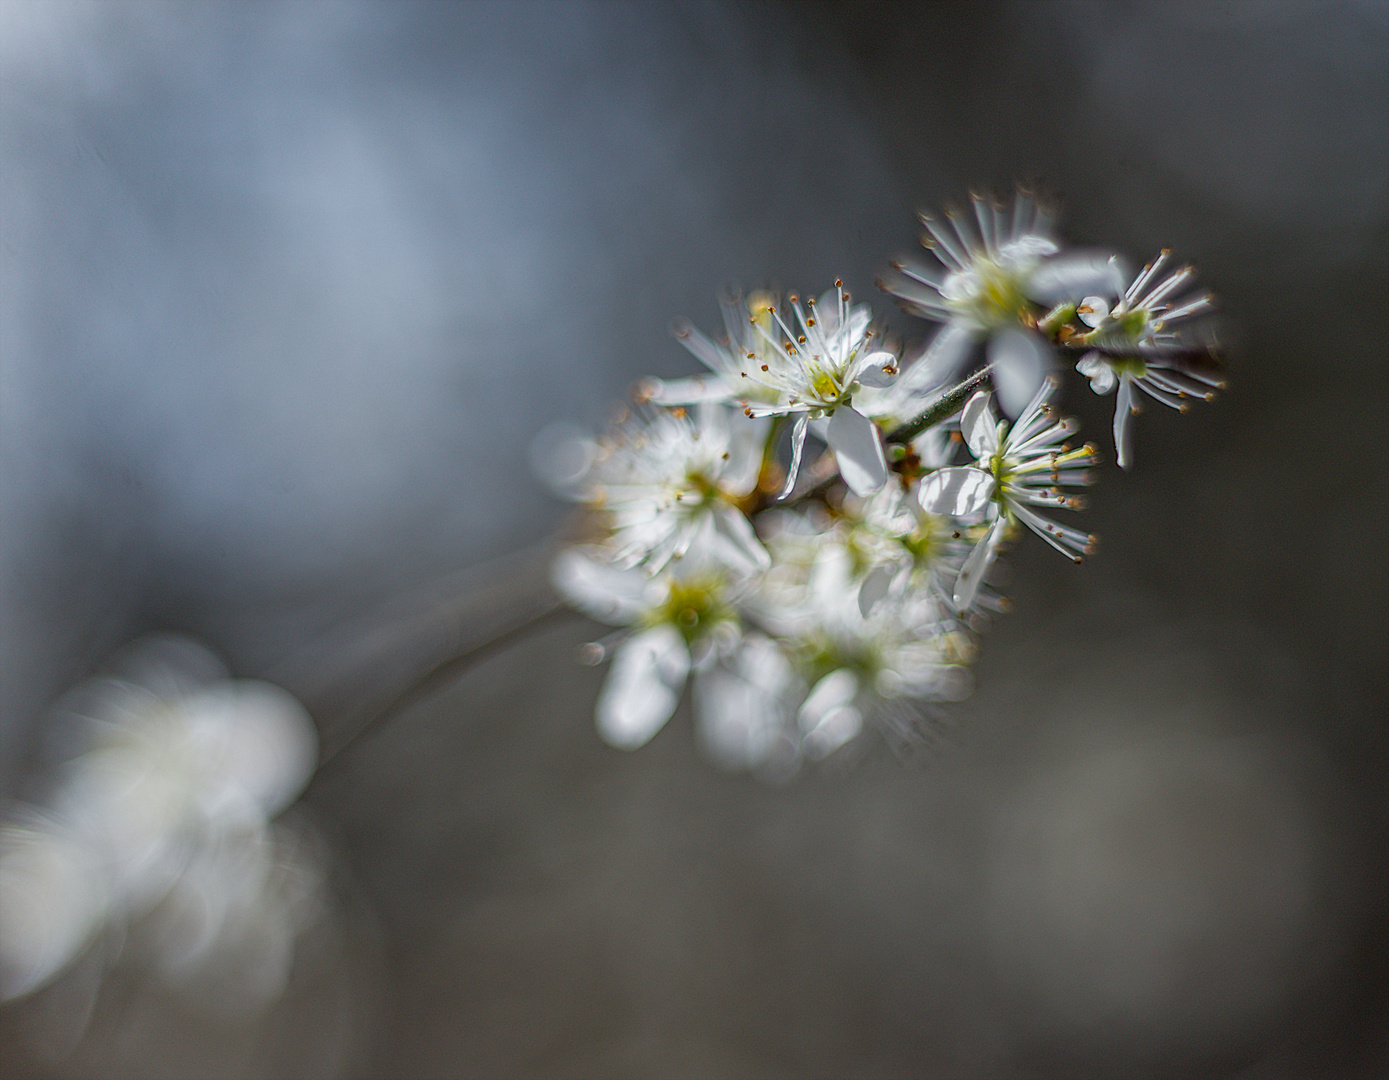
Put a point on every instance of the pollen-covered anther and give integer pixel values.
(764, 367)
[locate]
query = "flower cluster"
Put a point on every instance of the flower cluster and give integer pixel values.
(809, 601)
(158, 840)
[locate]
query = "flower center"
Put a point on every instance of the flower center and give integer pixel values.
(986, 292)
(692, 607)
(825, 385)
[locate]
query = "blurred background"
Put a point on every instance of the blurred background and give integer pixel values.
(286, 291)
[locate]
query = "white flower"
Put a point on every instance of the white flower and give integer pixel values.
(1016, 468)
(905, 550)
(817, 367)
(672, 485)
(747, 345)
(1134, 346)
(987, 284)
(745, 707)
(681, 621)
(170, 766)
(876, 665)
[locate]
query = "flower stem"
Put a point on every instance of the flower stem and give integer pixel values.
(360, 677)
(940, 410)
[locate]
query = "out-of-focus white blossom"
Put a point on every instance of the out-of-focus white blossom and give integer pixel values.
(159, 825)
(671, 484)
(988, 285)
(748, 345)
(678, 621)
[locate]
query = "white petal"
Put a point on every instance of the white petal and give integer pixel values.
(878, 369)
(740, 710)
(561, 455)
(689, 391)
(797, 449)
(258, 739)
(873, 589)
(740, 540)
(979, 426)
(52, 898)
(599, 590)
(1123, 409)
(1075, 275)
(829, 717)
(1021, 360)
(958, 490)
(949, 349)
(643, 687)
(834, 691)
(858, 448)
(976, 567)
(1093, 310)
(1100, 374)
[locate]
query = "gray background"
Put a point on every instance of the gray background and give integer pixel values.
(288, 288)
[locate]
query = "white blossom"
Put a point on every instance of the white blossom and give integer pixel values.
(672, 483)
(678, 621)
(1135, 345)
(990, 277)
(746, 346)
(163, 806)
(1016, 467)
(819, 362)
